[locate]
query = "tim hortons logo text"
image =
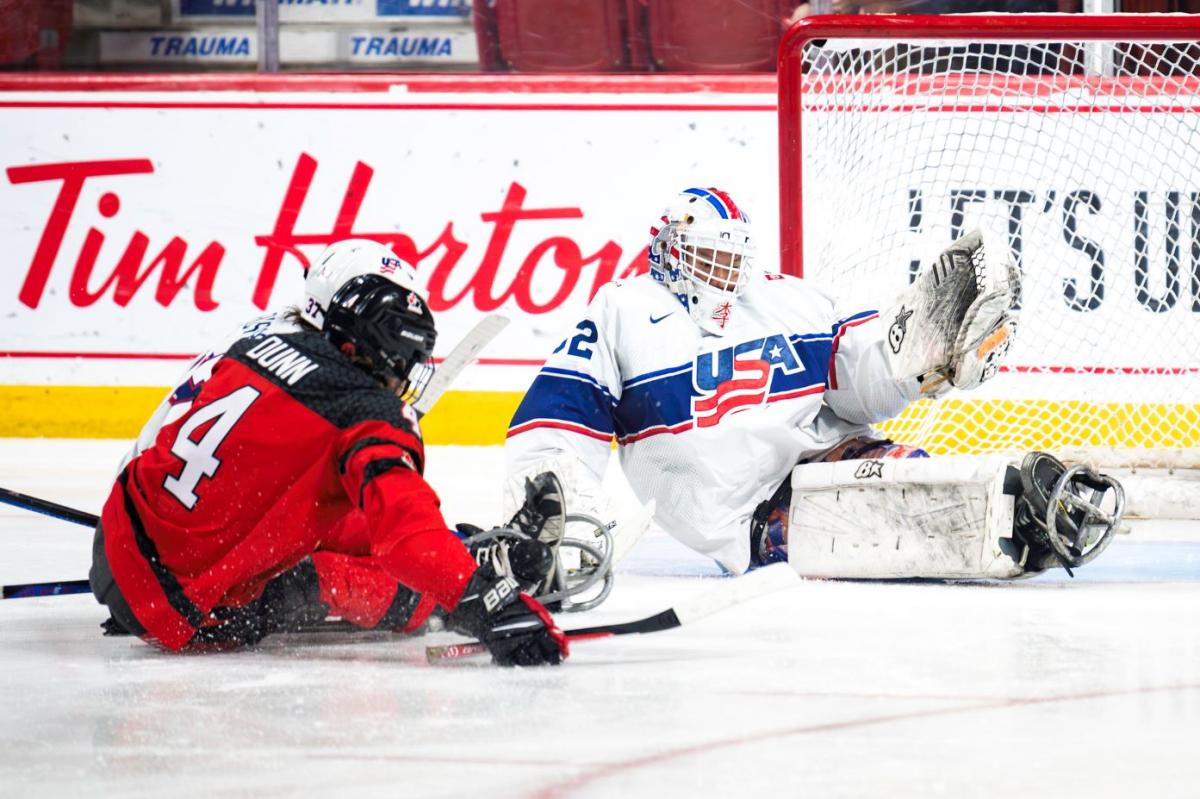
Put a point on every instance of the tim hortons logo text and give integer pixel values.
(443, 261)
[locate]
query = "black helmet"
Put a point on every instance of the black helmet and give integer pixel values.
(386, 329)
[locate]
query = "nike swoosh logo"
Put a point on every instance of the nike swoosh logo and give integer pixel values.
(654, 321)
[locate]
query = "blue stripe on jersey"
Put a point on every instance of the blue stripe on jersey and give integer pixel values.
(712, 200)
(566, 396)
(664, 401)
(670, 370)
(839, 327)
(814, 354)
(861, 315)
(571, 374)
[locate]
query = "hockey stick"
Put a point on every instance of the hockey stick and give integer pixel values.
(52, 509)
(459, 358)
(27, 590)
(463, 353)
(732, 592)
(56, 511)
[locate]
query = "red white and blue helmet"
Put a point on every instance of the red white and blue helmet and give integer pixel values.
(703, 252)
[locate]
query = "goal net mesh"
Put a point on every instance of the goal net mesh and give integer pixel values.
(1084, 153)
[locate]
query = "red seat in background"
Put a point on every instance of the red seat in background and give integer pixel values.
(1159, 59)
(716, 35)
(34, 33)
(18, 32)
(55, 20)
(558, 35)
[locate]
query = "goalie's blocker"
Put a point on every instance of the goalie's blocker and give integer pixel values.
(953, 517)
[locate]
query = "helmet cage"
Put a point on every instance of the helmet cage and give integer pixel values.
(720, 260)
(390, 329)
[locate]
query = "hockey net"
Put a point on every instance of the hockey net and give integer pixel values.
(1079, 138)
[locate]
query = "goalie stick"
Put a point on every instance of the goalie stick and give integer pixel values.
(459, 358)
(732, 592)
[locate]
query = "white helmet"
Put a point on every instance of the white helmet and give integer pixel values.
(703, 254)
(343, 261)
(365, 301)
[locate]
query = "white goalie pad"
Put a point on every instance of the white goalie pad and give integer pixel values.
(946, 517)
(954, 325)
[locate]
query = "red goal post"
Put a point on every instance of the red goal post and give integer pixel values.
(1078, 136)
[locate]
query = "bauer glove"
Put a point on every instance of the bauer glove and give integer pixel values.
(517, 629)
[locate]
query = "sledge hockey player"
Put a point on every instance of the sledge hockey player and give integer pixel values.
(281, 483)
(724, 386)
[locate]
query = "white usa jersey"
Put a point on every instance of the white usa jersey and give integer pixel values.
(707, 426)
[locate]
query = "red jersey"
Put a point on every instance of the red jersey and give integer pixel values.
(277, 448)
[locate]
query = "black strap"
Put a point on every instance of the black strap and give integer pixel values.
(758, 521)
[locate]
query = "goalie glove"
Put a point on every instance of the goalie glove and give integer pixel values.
(956, 322)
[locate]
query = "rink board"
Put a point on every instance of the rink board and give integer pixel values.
(140, 226)
(143, 220)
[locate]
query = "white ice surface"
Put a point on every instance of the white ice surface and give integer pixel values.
(1048, 687)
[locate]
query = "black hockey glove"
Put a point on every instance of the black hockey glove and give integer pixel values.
(517, 629)
(289, 602)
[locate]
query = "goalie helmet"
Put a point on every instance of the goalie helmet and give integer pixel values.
(365, 301)
(703, 253)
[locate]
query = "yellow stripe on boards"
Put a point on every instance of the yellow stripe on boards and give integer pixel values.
(460, 417)
(470, 417)
(481, 418)
(76, 411)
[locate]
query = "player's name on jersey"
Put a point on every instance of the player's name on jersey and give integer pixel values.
(283, 361)
(325, 11)
(447, 45)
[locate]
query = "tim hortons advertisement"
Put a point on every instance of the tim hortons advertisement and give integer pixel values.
(137, 231)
